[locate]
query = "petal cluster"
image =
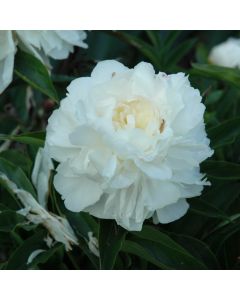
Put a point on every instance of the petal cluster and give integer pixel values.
(226, 54)
(129, 143)
(42, 44)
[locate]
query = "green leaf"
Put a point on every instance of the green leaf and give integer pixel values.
(16, 174)
(111, 237)
(170, 40)
(225, 133)
(221, 169)
(31, 70)
(180, 51)
(154, 37)
(146, 49)
(30, 138)
(9, 220)
(161, 250)
(142, 252)
(152, 234)
(18, 260)
(204, 208)
(229, 75)
(217, 237)
(222, 195)
(160, 255)
(213, 97)
(199, 249)
(45, 256)
(18, 159)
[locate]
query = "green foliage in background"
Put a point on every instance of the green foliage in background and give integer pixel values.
(207, 237)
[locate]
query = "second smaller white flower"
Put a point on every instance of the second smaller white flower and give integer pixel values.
(226, 54)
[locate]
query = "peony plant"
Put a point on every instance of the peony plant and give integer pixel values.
(129, 143)
(122, 155)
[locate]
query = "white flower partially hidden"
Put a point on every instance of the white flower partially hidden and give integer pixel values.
(58, 227)
(41, 174)
(40, 43)
(129, 143)
(226, 54)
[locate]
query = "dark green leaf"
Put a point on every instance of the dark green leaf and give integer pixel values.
(204, 208)
(198, 249)
(18, 260)
(213, 97)
(16, 174)
(9, 220)
(229, 75)
(31, 138)
(44, 257)
(18, 158)
(31, 70)
(110, 240)
(161, 255)
(180, 51)
(218, 236)
(221, 169)
(164, 250)
(225, 133)
(145, 48)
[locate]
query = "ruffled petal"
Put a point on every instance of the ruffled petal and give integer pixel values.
(78, 192)
(171, 212)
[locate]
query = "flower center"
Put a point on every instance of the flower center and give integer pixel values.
(137, 113)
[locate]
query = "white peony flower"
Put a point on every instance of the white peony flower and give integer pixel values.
(129, 143)
(226, 54)
(40, 43)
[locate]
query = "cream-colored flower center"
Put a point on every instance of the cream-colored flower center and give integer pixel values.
(137, 113)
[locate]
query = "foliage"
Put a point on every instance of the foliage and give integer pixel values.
(207, 237)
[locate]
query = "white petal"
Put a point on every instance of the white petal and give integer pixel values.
(85, 136)
(125, 206)
(41, 174)
(158, 193)
(34, 254)
(77, 191)
(156, 171)
(172, 212)
(106, 69)
(7, 52)
(60, 125)
(74, 37)
(191, 114)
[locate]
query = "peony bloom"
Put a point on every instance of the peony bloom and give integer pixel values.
(129, 143)
(226, 54)
(40, 43)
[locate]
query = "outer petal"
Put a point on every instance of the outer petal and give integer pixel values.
(60, 125)
(77, 191)
(74, 37)
(171, 212)
(158, 194)
(106, 69)
(41, 174)
(126, 206)
(7, 52)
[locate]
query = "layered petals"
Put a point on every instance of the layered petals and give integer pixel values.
(129, 143)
